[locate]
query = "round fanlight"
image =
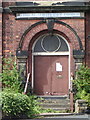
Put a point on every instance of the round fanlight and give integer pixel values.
(50, 43)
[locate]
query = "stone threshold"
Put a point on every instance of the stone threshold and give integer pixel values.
(52, 97)
(56, 114)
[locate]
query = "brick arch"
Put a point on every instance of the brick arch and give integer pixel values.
(27, 31)
(71, 29)
(42, 26)
(31, 34)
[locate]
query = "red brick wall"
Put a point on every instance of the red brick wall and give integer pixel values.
(0, 50)
(0, 38)
(87, 39)
(14, 29)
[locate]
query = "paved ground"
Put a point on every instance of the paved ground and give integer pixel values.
(69, 117)
(0, 115)
(75, 117)
(72, 117)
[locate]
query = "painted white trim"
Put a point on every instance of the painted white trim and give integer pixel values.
(32, 72)
(69, 68)
(51, 53)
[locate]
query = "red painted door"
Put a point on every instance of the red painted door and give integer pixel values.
(51, 75)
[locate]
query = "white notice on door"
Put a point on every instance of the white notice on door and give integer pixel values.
(58, 67)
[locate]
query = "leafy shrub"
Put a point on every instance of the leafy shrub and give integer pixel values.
(36, 109)
(10, 74)
(82, 83)
(17, 105)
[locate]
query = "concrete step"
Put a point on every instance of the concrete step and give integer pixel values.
(54, 105)
(55, 101)
(54, 97)
(57, 109)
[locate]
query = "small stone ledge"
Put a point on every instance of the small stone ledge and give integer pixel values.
(55, 114)
(81, 106)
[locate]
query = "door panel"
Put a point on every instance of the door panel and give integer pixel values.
(49, 79)
(60, 77)
(42, 75)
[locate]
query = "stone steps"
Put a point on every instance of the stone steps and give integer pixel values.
(58, 103)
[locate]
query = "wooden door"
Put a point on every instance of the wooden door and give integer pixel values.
(60, 78)
(49, 79)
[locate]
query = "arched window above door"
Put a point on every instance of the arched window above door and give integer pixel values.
(50, 43)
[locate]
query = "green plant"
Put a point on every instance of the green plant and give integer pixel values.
(36, 109)
(82, 83)
(10, 75)
(15, 104)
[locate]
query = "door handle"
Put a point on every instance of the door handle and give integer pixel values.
(59, 76)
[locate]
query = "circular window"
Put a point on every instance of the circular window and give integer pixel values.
(50, 43)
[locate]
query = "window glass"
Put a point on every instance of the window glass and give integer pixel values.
(50, 43)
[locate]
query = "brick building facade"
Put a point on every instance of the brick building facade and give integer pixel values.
(28, 38)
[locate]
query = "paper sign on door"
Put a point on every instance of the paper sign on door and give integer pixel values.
(58, 67)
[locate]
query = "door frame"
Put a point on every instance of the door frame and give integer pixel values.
(50, 54)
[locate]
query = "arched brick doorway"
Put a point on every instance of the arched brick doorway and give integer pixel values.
(50, 65)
